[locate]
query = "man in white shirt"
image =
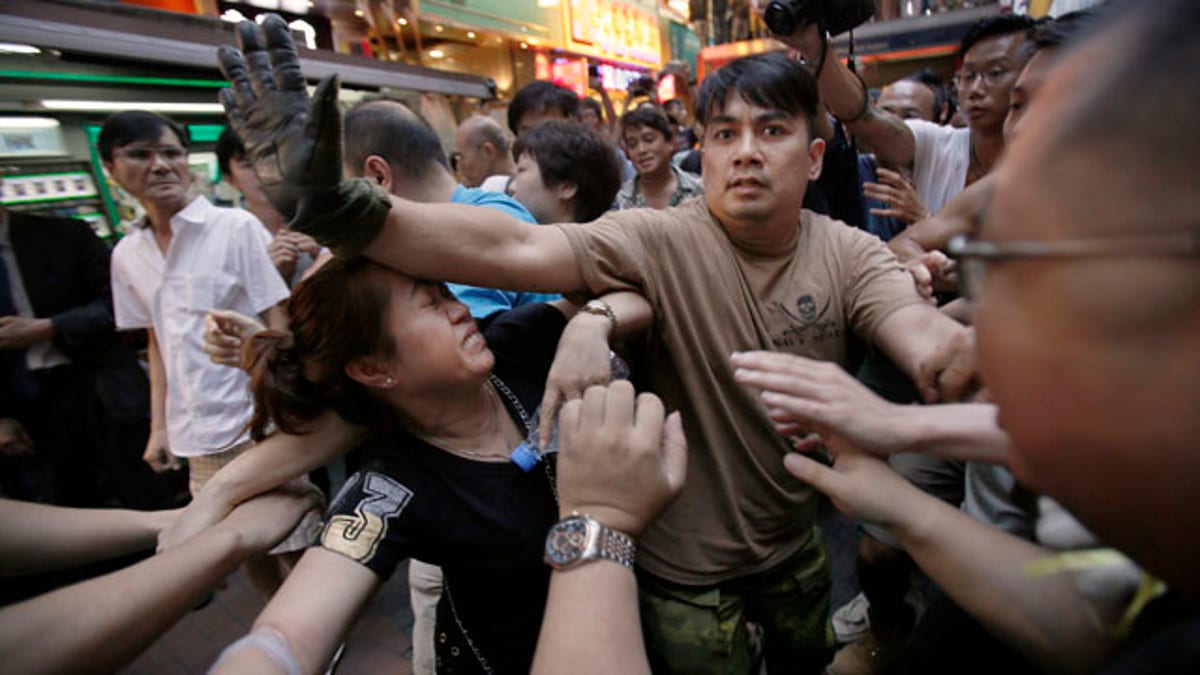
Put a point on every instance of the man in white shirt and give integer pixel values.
(182, 259)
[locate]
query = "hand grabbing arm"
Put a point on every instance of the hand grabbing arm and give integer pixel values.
(101, 624)
(269, 464)
(802, 394)
(583, 357)
(225, 331)
(620, 464)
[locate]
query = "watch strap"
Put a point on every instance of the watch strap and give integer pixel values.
(617, 547)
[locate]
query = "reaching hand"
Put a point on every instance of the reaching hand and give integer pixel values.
(19, 332)
(951, 373)
(618, 462)
(898, 193)
(863, 487)
(263, 521)
(802, 394)
(294, 147)
(225, 331)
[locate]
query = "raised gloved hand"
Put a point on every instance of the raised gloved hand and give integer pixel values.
(295, 145)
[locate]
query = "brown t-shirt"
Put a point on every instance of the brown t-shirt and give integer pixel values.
(740, 512)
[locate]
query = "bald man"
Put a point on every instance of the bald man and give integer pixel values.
(483, 154)
(908, 100)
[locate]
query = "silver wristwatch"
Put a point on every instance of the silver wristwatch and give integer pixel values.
(579, 538)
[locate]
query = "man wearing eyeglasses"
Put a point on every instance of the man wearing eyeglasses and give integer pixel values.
(942, 159)
(183, 258)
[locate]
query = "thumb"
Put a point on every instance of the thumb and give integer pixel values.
(549, 410)
(674, 447)
(324, 125)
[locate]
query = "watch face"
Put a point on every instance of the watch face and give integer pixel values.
(567, 541)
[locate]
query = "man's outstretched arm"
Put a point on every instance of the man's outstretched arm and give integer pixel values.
(294, 145)
(475, 245)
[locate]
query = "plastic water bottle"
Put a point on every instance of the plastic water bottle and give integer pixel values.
(529, 452)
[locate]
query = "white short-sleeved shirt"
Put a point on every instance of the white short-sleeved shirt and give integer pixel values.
(940, 161)
(217, 259)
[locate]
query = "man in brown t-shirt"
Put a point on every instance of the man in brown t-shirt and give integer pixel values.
(744, 268)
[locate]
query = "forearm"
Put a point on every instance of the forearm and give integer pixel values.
(158, 383)
(905, 245)
(101, 624)
(591, 624)
(959, 431)
(846, 99)
(634, 313)
(41, 538)
(276, 318)
(279, 459)
(476, 246)
(983, 569)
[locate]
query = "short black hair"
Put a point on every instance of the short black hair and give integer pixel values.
(571, 152)
(402, 137)
(994, 26)
(229, 148)
(1051, 33)
(593, 105)
(538, 96)
(769, 80)
(941, 94)
(648, 116)
(131, 126)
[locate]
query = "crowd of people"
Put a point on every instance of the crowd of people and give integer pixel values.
(596, 399)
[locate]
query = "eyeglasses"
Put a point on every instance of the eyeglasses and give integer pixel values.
(455, 158)
(991, 77)
(143, 155)
(973, 256)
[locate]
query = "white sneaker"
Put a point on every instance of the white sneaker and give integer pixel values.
(851, 621)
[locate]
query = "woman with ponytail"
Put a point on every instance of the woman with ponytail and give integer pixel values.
(442, 406)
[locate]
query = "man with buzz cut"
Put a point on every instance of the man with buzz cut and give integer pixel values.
(744, 268)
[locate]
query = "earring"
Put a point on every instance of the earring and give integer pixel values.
(389, 383)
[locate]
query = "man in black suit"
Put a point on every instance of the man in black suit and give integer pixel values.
(70, 390)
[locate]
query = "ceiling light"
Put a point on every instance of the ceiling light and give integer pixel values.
(524, 45)
(117, 106)
(439, 28)
(28, 123)
(358, 13)
(436, 53)
(470, 35)
(402, 21)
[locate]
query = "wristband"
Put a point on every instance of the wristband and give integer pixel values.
(345, 217)
(268, 641)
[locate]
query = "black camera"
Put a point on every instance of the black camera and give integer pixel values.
(835, 16)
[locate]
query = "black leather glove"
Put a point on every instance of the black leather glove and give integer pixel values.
(295, 145)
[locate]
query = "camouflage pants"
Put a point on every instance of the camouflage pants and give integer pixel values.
(702, 629)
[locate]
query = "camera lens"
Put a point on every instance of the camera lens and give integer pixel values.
(780, 18)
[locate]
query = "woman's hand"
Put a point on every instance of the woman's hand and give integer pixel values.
(582, 360)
